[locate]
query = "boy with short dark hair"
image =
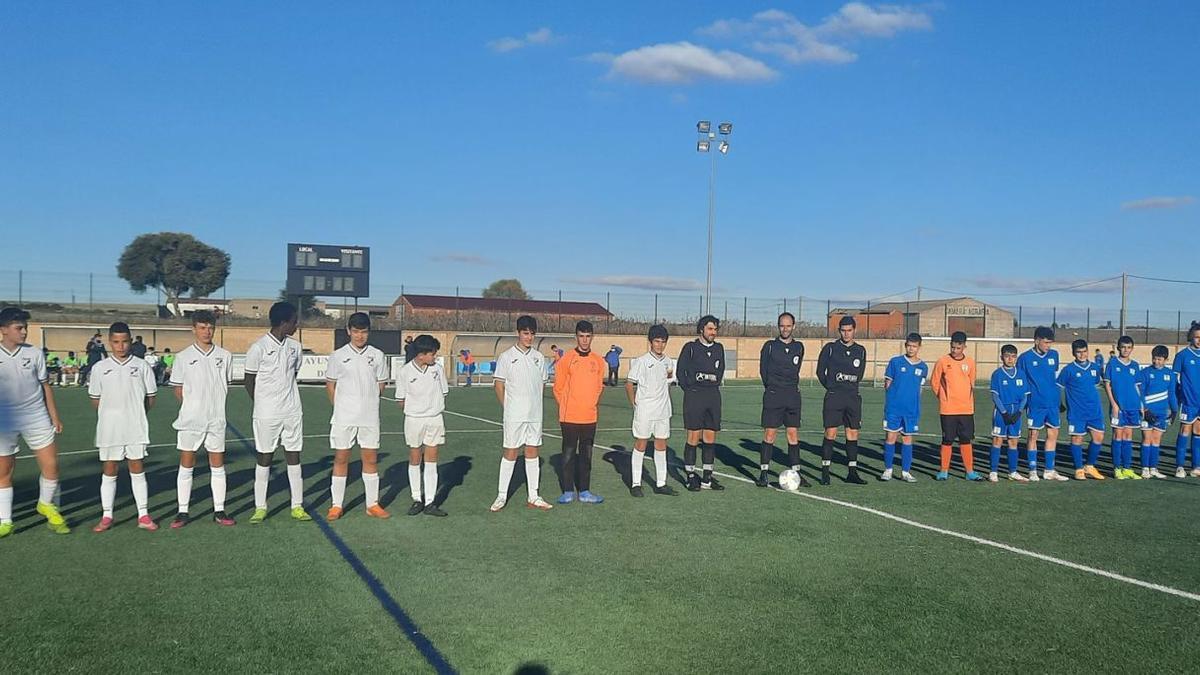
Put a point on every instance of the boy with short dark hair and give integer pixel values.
(1080, 381)
(953, 382)
(1125, 404)
(648, 387)
(906, 374)
(578, 384)
(1160, 405)
(421, 390)
(1010, 395)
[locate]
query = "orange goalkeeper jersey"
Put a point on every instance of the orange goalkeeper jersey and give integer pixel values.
(578, 383)
(953, 383)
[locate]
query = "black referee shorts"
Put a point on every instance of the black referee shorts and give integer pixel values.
(780, 408)
(958, 427)
(702, 409)
(842, 409)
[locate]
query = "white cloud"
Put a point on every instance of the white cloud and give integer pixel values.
(1019, 286)
(1157, 203)
(856, 18)
(683, 63)
(462, 259)
(644, 283)
(541, 36)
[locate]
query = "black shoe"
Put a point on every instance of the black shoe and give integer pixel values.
(711, 484)
(181, 519)
(762, 479)
(693, 483)
(636, 491)
(824, 480)
(221, 518)
(416, 509)
(433, 510)
(665, 490)
(804, 481)
(854, 478)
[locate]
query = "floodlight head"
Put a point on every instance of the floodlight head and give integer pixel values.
(724, 147)
(701, 146)
(703, 126)
(725, 128)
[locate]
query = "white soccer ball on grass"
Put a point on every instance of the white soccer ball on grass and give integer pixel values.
(789, 480)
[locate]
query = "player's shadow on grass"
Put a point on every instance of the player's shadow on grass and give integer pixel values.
(531, 669)
(621, 460)
(779, 457)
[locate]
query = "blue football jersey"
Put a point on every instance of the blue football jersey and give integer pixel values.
(904, 393)
(1039, 372)
(1187, 367)
(1010, 389)
(1123, 378)
(1158, 388)
(1080, 382)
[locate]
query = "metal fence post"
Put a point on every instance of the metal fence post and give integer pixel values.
(828, 311)
(656, 308)
(20, 288)
(1054, 317)
(1147, 338)
(559, 326)
(1087, 329)
(91, 307)
(1020, 323)
(745, 302)
(456, 309)
(726, 319)
(702, 305)
(607, 308)
(868, 319)
(1179, 326)
(799, 309)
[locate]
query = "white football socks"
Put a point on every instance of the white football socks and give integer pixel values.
(338, 488)
(296, 483)
(660, 467)
(46, 490)
(141, 493)
(108, 494)
(262, 476)
(414, 481)
(371, 488)
(218, 487)
(6, 501)
(533, 475)
(431, 482)
(635, 467)
(506, 473)
(183, 486)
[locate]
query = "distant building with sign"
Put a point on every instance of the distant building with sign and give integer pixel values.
(930, 318)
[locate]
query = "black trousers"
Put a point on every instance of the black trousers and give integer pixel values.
(576, 473)
(612, 375)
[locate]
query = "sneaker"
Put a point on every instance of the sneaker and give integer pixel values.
(334, 513)
(258, 516)
(665, 490)
(762, 479)
(711, 484)
(181, 520)
(1054, 475)
(5, 529)
(501, 500)
(1132, 475)
(566, 497)
(586, 497)
(693, 483)
(824, 479)
(377, 511)
(1080, 474)
(1119, 474)
(1155, 473)
(1014, 476)
(54, 519)
(907, 477)
(1033, 477)
(147, 524)
(636, 491)
(433, 510)
(103, 526)
(886, 475)
(224, 520)
(299, 514)
(1145, 472)
(539, 503)
(415, 508)
(942, 475)
(993, 477)
(1092, 472)
(1180, 472)
(853, 478)
(1196, 473)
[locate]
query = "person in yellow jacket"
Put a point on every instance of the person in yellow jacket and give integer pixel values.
(953, 382)
(578, 383)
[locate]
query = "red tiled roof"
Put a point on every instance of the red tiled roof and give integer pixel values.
(450, 302)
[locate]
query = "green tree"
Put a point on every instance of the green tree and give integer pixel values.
(506, 288)
(175, 263)
(305, 304)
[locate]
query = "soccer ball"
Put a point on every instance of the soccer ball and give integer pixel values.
(789, 480)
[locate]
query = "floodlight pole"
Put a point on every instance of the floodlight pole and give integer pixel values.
(1124, 288)
(712, 188)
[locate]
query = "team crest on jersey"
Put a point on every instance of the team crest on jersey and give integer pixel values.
(193, 362)
(718, 363)
(220, 362)
(917, 372)
(133, 372)
(26, 362)
(1048, 361)
(904, 370)
(795, 360)
(1020, 382)
(856, 363)
(965, 367)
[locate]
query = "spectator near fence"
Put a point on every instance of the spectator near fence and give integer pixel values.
(613, 359)
(95, 353)
(468, 364)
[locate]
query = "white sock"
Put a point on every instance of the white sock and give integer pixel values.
(217, 483)
(108, 494)
(533, 475)
(6, 499)
(430, 482)
(141, 493)
(635, 467)
(46, 490)
(371, 487)
(296, 483)
(338, 488)
(183, 486)
(506, 472)
(262, 476)
(660, 467)
(414, 481)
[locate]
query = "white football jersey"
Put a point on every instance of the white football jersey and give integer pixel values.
(653, 376)
(205, 380)
(524, 375)
(423, 389)
(358, 375)
(22, 403)
(275, 365)
(122, 388)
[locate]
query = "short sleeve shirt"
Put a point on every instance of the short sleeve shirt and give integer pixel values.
(423, 390)
(903, 395)
(358, 374)
(653, 376)
(205, 378)
(275, 365)
(122, 388)
(22, 405)
(524, 377)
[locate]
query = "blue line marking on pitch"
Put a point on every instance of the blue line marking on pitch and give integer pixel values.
(422, 643)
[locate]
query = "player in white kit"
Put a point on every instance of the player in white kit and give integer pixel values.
(421, 389)
(27, 411)
(649, 389)
(355, 376)
(272, 366)
(122, 388)
(201, 377)
(520, 382)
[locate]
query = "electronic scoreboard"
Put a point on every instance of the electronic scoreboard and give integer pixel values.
(323, 270)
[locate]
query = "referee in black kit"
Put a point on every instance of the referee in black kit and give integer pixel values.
(840, 368)
(779, 367)
(699, 370)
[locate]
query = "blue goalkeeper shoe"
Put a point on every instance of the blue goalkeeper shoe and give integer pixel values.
(566, 497)
(942, 475)
(587, 497)
(974, 476)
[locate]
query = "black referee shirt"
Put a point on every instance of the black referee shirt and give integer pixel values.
(779, 364)
(700, 366)
(841, 366)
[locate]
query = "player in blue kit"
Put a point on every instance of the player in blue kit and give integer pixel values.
(903, 379)
(1039, 368)
(1010, 395)
(1125, 404)
(1187, 369)
(1157, 383)
(1080, 381)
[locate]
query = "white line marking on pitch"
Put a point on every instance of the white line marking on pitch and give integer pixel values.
(931, 528)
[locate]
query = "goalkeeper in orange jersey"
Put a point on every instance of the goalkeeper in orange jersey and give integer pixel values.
(953, 382)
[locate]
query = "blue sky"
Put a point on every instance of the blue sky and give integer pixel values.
(464, 142)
